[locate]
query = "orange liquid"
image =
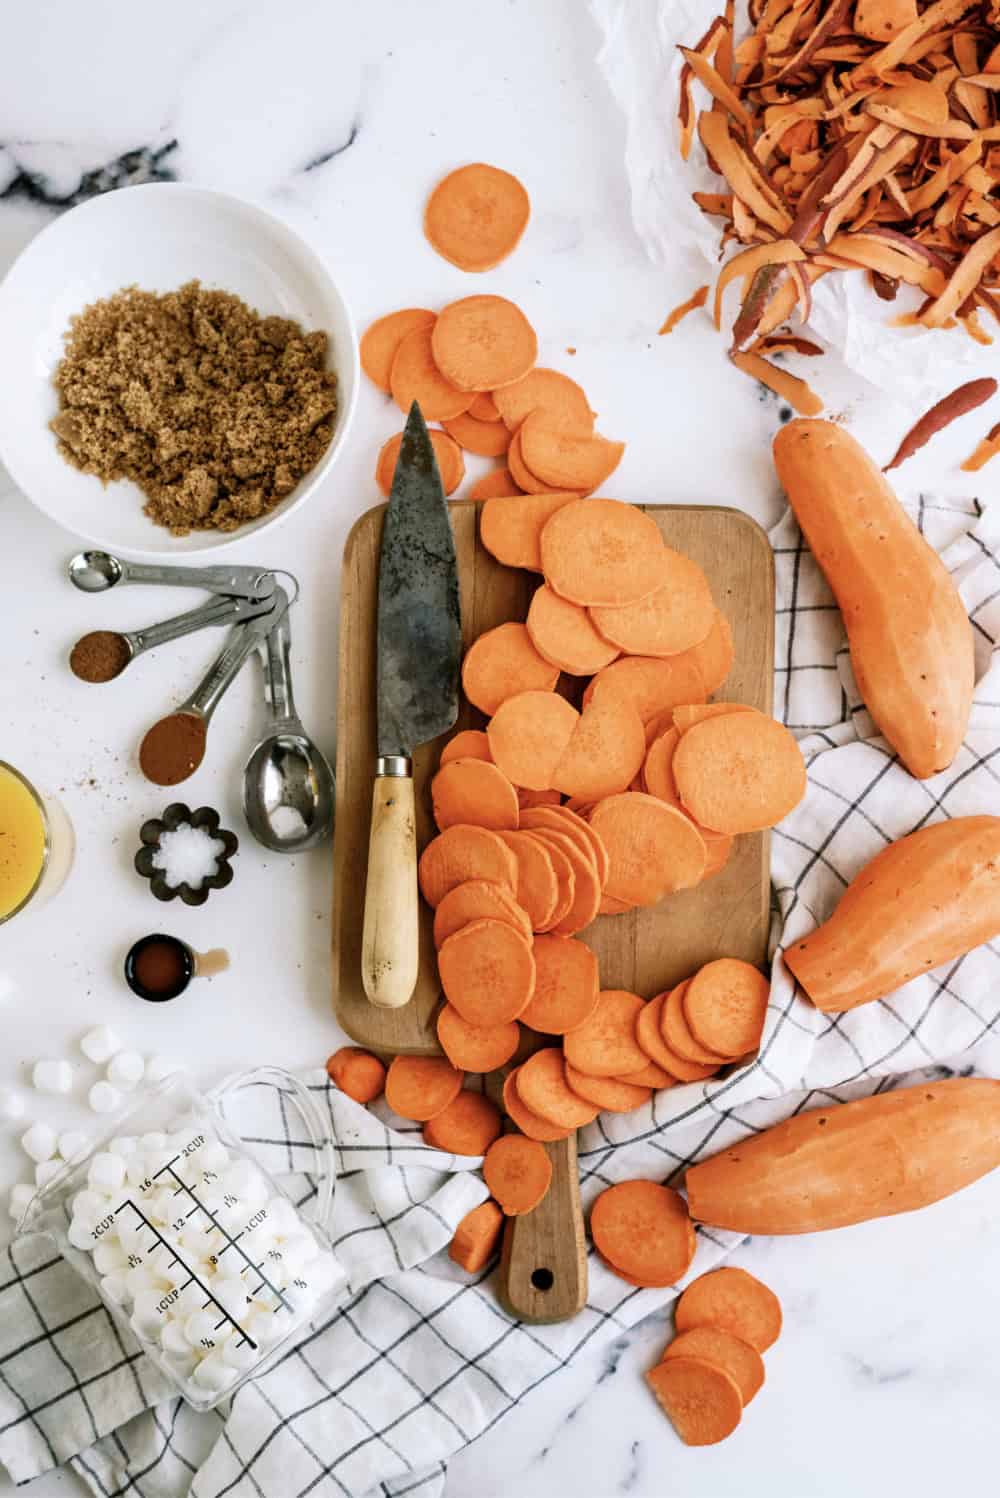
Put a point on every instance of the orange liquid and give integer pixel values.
(22, 842)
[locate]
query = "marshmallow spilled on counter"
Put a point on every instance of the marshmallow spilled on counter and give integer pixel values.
(125, 1070)
(159, 1258)
(100, 1044)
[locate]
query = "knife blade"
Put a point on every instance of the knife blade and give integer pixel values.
(419, 647)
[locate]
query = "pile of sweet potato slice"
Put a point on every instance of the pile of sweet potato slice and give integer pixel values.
(472, 367)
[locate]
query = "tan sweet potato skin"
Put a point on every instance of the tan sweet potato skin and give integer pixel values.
(925, 899)
(910, 637)
(832, 1167)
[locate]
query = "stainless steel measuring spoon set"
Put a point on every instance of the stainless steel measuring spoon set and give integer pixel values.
(288, 787)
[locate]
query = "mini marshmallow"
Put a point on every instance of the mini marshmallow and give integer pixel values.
(266, 1327)
(104, 1098)
(200, 1328)
(81, 1237)
(89, 1204)
(100, 1044)
(159, 1068)
(213, 1156)
(107, 1171)
(153, 1142)
(39, 1142)
(174, 1342)
(124, 1145)
(213, 1374)
(162, 1207)
(20, 1196)
(147, 1319)
(47, 1170)
(142, 1278)
(109, 1258)
(114, 1288)
(52, 1076)
(11, 1104)
(240, 1355)
(191, 1299)
(231, 1293)
(72, 1143)
(125, 1070)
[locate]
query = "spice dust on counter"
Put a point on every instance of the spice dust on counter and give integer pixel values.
(214, 411)
(100, 656)
(173, 748)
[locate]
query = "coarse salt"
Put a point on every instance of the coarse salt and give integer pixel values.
(188, 855)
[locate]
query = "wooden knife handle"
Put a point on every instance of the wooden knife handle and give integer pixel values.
(543, 1267)
(390, 942)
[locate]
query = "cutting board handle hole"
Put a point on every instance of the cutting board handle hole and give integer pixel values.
(543, 1279)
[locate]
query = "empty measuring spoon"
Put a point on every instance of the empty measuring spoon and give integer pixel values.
(103, 654)
(97, 571)
(288, 785)
(175, 746)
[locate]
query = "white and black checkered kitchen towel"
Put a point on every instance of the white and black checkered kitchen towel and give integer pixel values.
(422, 1359)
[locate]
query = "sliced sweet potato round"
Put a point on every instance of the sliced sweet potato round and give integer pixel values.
(567, 985)
(711, 1344)
(477, 900)
(740, 772)
(474, 793)
(528, 735)
(476, 215)
(572, 460)
(382, 338)
(471, 743)
(483, 343)
(701, 1401)
(487, 439)
(487, 971)
(564, 634)
(644, 1229)
(734, 1301)
(564, 819)
(649, 1034)
(610, 1094)
(605, 1044)
(419, 1087)
(499, 484)
(653, 849)
(561, 399)
(510, 525)
(523, 476)
(725, 1004)
(415, 376)
(714, 655)
(653, 685)
(677, 1034)
(674, 618)
(529, 1123)
(476, 1048)
(605, 753)
(586, 887)
(462, 853)
(537, 882)
(542, 1086)
(601, 551)
(502, 663)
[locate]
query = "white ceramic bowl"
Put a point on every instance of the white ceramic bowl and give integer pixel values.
(157, 237)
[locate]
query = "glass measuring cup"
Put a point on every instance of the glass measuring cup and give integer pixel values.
(189, 1242)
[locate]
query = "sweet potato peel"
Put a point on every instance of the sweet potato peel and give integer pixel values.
(966, 398)
(837, 120)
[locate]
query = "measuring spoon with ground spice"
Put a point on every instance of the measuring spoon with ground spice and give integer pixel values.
(103, 654)
(175, 746)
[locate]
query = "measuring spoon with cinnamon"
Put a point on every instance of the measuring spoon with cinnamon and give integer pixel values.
(175, 746)
(103, 654)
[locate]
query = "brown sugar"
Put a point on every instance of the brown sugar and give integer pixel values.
(214, 411)
(100, 656)
(173, 748)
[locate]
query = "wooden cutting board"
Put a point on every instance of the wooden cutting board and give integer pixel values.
(645, 951)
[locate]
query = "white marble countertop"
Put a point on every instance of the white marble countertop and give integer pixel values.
(339, 118)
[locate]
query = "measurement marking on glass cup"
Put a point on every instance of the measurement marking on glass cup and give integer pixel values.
(231, 1242)
(161, 1241)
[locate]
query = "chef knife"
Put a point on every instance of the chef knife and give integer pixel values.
(419, 648)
